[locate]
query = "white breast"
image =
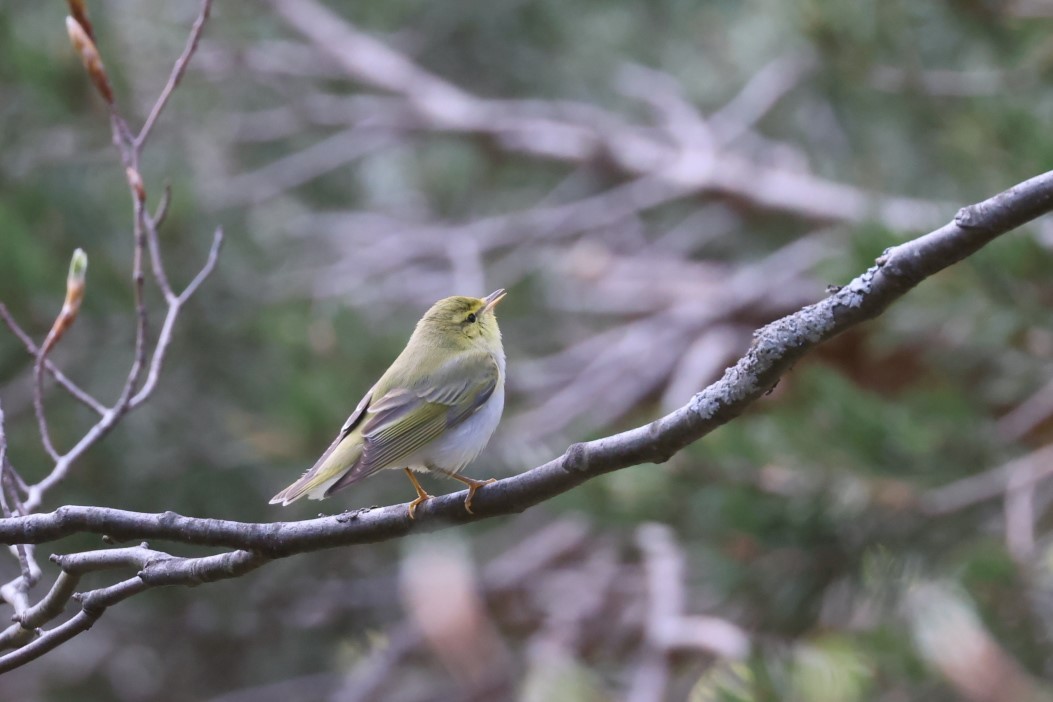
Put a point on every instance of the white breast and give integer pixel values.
(459, 446)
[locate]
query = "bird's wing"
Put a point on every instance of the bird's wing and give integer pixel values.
(356, 416)
(406, 419)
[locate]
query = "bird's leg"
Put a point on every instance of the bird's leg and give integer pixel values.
(422, 494)
(473, 485)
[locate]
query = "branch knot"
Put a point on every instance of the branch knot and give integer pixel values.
(576, 459)
(972, 217)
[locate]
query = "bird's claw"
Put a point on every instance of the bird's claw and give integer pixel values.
(413, 505)
(472, 487)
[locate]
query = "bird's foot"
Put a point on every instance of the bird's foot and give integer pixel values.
(422, 494)
(421, 497)
(473, 485)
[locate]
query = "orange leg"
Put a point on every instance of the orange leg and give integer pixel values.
(473, 485)
(422, 494)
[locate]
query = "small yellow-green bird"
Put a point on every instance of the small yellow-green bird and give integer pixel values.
(433, 410)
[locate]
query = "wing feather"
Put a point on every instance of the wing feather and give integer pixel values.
(405, 420)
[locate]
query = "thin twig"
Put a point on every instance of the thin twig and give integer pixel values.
(38, 408)
(3, 458)
(164, 338)
(16, 592)
(206, 270)
(141, 314)
(178, 70)
(93, 604)
(65, 319)
(112, 415)
(161, 213)
(53, 603)
(145, 238)
(61, 378)
(156, 262)
(155, 568)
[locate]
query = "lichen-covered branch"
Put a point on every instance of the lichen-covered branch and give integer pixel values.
(776, 347)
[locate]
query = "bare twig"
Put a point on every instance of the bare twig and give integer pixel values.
(161, 212)
(16, 592)
(206, 269)
(164, 338)
(178, 70)
(3, 455)
(145, 240)
(38, 408)
(156, 568)
(71, 387)
(70, 307)
(93, 604)
(141, 313)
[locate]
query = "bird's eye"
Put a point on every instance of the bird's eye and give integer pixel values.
(471, 317)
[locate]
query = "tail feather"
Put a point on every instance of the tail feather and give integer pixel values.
(340, 458)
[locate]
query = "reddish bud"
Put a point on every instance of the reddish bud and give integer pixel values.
(135, 182)
(79, 11)
(89, 56)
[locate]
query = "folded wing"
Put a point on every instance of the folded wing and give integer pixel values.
(406, 420)
(384, 431)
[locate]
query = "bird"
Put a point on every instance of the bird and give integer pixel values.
(433, 410)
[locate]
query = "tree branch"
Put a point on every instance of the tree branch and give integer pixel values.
(178, 70)
(775, 349)
(71, 387)
(156, 568)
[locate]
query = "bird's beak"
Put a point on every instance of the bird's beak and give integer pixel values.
(493, 298)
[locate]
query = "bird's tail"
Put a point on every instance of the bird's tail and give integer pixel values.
(338, 459)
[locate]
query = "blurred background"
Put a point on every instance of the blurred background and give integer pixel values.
(651, 181)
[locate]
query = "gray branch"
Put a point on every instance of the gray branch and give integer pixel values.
(776, 347)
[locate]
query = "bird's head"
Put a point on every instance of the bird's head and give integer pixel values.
(464, 322)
